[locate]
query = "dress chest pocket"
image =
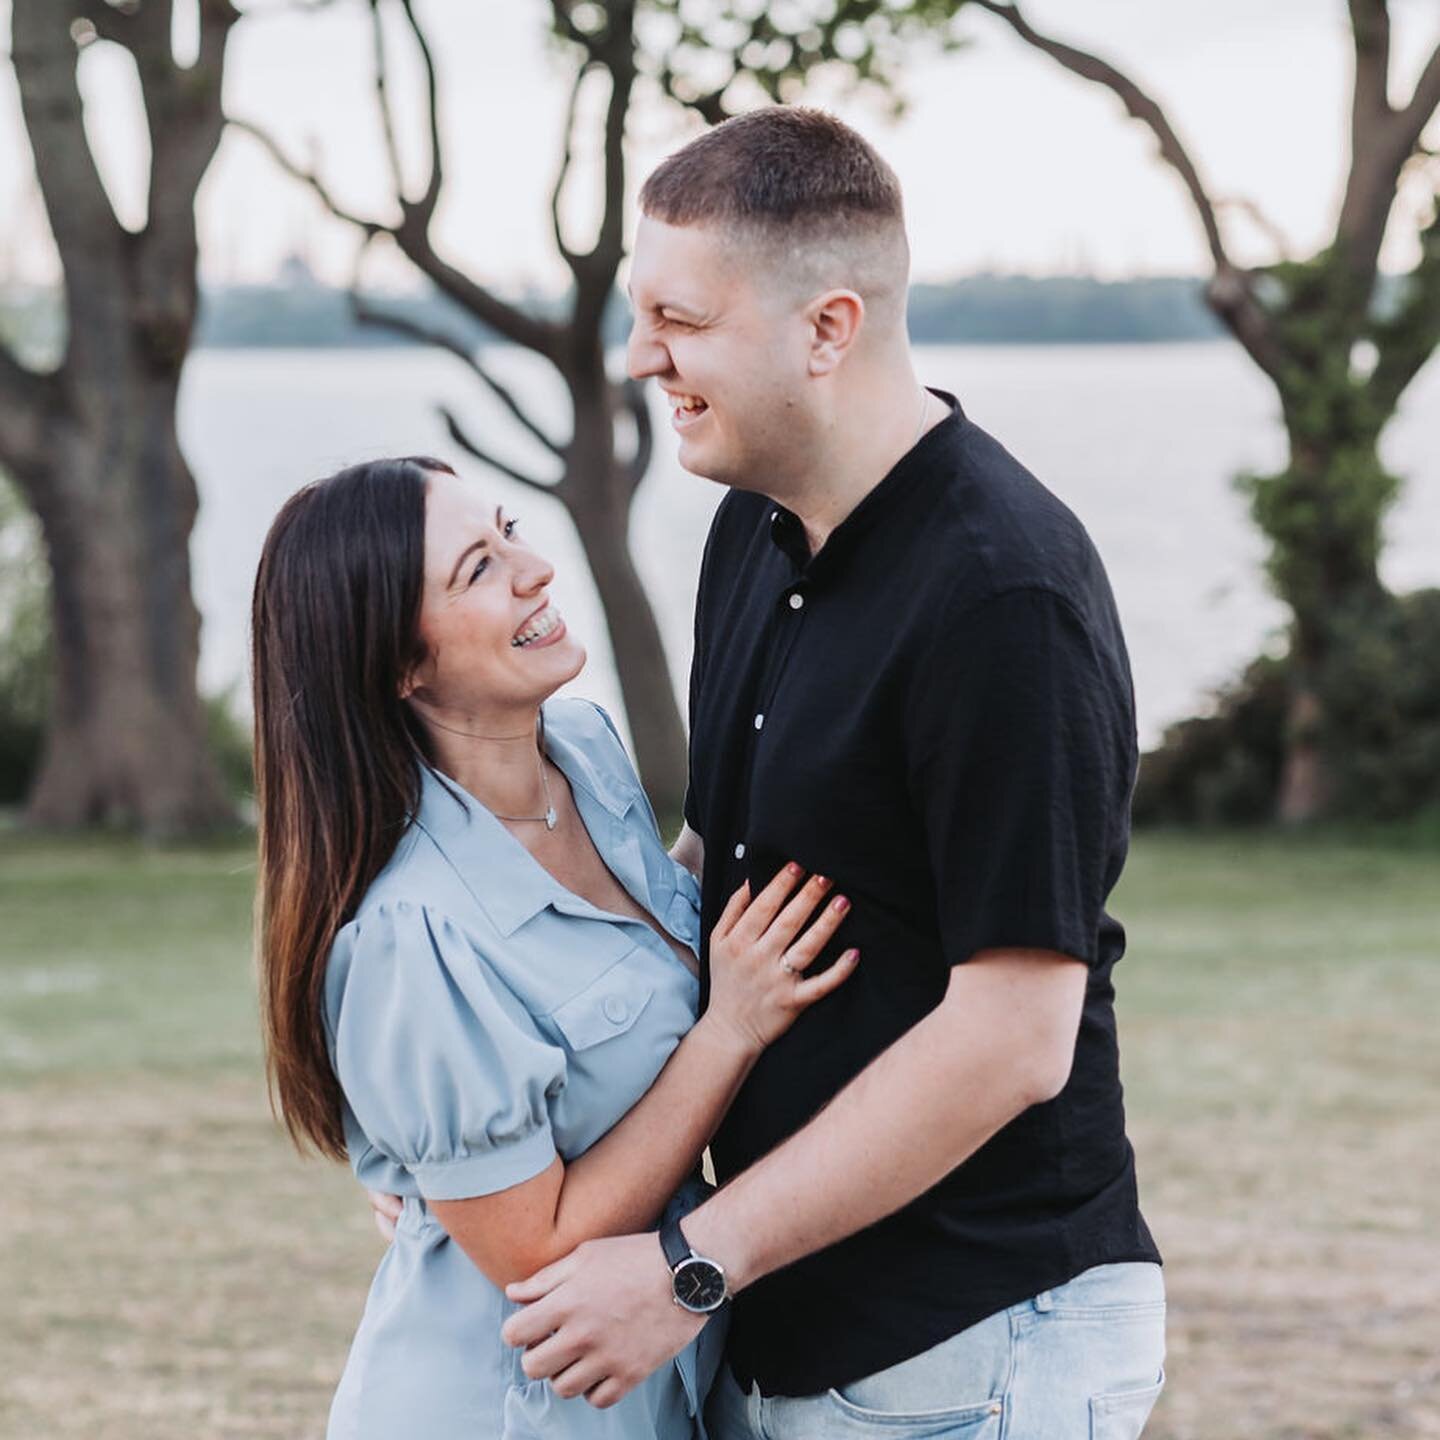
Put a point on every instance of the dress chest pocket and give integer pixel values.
(555, 958)
(607, 1007)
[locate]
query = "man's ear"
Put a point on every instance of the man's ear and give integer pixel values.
(835, 319)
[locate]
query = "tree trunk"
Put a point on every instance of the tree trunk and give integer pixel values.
(98, 459)
(1323, 516)
(602, 517)
(126, 744)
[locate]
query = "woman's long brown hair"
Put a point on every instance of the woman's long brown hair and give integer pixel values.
(336, 629)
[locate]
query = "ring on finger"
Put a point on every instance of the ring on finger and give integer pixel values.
(787, 967)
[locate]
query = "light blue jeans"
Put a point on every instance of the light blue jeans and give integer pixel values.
(1084, 1361)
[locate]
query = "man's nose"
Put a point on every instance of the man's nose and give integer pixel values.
(645, 356)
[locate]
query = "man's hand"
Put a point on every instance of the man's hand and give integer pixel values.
(385, 1210)
(602, 1319)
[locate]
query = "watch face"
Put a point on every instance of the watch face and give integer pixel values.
(699, 1285)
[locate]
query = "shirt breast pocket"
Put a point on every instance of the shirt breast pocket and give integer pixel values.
(606, 1008)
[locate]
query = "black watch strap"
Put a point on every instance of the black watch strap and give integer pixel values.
(674, 1244)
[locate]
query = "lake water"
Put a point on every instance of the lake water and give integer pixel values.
(1141, 441)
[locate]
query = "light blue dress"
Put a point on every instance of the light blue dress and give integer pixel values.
(482, 1020)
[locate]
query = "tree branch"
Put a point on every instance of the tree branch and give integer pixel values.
(369, 228)
(1407, 339)
(463, 440)
(638, 403)
(1136, 102)
(1230, 293)
(1425, 101)
(412, 329)
(1248, 207)
(110, 23)
(1370, 29)
(414, 243)
(424, 209)
(382, 102)
(86, 230)
(1381, 141)
(563, 173)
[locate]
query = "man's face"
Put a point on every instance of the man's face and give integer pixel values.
(729, 350)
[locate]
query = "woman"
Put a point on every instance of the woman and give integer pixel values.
(478, 961)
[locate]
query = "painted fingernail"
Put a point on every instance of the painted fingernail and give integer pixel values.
(841, 905)
(793, 869)
(849, 957)
(823, 881)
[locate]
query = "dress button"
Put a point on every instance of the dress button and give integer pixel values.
(759, 721)
(615, 1009)
(796, 601)
(740, 851)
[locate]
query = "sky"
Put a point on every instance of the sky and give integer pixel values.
(1008, 163)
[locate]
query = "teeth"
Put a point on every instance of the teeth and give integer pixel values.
(688, 404)
(538, 628)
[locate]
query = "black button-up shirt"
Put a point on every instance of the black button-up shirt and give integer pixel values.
(936, 711)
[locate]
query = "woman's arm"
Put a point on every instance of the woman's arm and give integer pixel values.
(622, 1182)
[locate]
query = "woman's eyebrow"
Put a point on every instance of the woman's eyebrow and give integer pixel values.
(470, 549)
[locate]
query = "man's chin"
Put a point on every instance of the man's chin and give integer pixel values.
(706, 464)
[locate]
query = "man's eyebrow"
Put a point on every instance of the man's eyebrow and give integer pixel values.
(471, 549)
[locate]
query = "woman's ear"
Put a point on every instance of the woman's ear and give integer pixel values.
(835, 320)
(416, 678)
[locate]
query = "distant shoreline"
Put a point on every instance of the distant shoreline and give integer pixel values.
(977, 310)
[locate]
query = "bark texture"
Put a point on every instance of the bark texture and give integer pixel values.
(93, 444)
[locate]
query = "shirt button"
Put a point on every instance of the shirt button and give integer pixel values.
(796, 601)
(740, 851)
(759, 721)
(615, 1009)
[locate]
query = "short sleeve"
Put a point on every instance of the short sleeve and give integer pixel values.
(1021, 746)
(443, 1068)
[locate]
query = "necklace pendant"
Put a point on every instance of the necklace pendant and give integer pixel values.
(550, 818)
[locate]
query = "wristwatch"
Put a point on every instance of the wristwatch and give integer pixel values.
(697, 1282)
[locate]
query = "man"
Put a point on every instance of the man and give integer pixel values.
(909, 676)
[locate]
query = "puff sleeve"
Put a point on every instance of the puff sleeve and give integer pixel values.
(442, 1066)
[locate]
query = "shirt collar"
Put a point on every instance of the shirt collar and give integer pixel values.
(513, 887)
(788, 532)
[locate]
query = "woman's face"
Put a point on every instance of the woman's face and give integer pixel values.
(493, 642)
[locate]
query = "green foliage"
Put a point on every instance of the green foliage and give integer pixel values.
(1323, 518)
(1379, 729)
(24, 646)
(1380, 697)
(708, 54)
(1223, 768)
(231, 744)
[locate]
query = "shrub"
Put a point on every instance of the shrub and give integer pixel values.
(1380, 732)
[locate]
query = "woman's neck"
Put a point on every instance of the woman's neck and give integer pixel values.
(496, 757)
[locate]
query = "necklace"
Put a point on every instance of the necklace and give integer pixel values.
(549, 817)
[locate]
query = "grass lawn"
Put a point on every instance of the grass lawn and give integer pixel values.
(170, 1269)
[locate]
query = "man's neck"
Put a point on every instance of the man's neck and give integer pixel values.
(864, 449)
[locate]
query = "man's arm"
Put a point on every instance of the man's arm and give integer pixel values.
(1002, 1039)
(689, 850)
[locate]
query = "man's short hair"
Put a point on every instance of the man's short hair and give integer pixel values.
(799, 183)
